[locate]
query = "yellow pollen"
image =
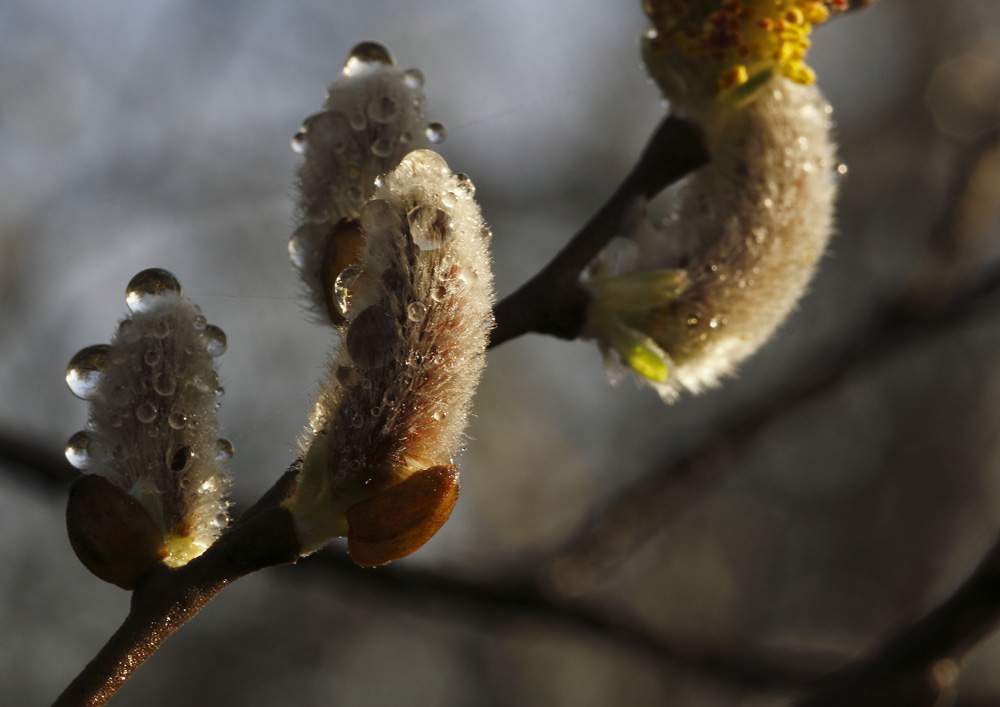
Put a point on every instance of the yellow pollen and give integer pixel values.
(728, 42)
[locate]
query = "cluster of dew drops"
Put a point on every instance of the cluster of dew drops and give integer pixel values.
(362, 60)
(147, 291)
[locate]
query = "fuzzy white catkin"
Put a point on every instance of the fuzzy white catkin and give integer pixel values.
(152, 429)
(752, 226)
(749, 229)
(398, 393)
(373, 116)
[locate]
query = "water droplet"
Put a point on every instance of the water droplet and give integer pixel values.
(436, 133)
(152, 357)
(342, 287)
(414, 78)
(200, 322)
(128, 332)
(382, 147)
(83, 375)
(83, 450)
(177, 420)
(714, 322)
(430, 227)
(439, 415)
(298, 251)
(449, 199)
(164, 384)
(416, 311)
(692, 321)
(372, 337)
(207, 382)
(146, 412)
(179, 458)
(215, 340)
(367, 57)
(220, 391)
(120, 396)
(357, 121)
(225, 450)
(439, 293)
(299, 142)
(161, 329)
(150, 289)
(357, 421)
(382, 110)
(466, 184)
(405, 137)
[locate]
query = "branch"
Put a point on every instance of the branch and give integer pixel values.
(165, 599)
(902, 673)
(629, 519)
(504, 596)
(552, 302)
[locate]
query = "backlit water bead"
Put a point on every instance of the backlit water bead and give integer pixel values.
(466, 184)
(436, 133)
(430, 227)
(215, 340)
(179, 458)
(152, 357)
(207, 382)
(177, 419)
(83, 375)
(299, 142)
(342, 287)
(224, 449)
(382, 110)
(382, 147)
(414, 78)
(416, 311)
(146, 412)
(357, 121)
(200, 322)
(367, 57)
(150, 289)
(83, 450)
(164, 384)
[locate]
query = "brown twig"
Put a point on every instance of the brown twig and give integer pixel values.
(627, 521)
(510, 595)
(552, 302)
(902, 672)
(165, 599)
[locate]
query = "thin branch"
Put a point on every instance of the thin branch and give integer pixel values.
(552, 302)
(902, 672)
(628, 520)
(35, 461)
(165, 599)
(506, 597)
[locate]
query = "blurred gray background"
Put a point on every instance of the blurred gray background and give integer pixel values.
(157, 133)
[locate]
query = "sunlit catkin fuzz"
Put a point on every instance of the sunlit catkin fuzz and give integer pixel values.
(152, 434)
(392, 410)
(750, 226)
(373, 116)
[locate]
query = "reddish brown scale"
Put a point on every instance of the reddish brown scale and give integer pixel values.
(402, 518)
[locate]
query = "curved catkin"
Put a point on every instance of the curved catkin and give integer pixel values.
(751, 227)
(397, 396)
(722, 274)
(152, 429)
(373, 116)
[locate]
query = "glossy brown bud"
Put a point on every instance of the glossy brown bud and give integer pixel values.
(111, 532)
(402, 518)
